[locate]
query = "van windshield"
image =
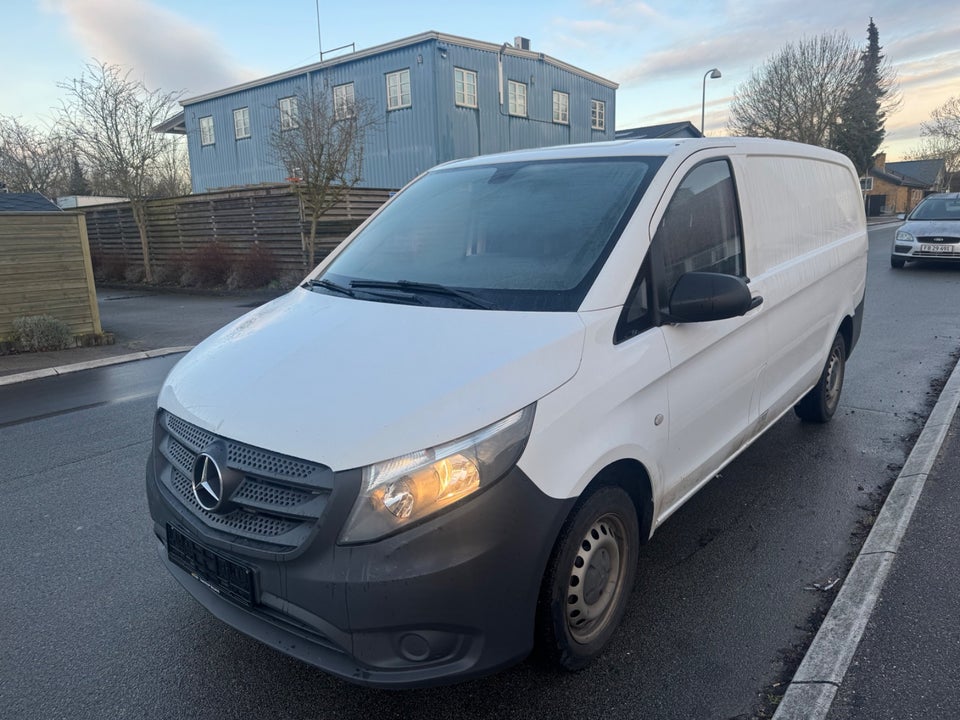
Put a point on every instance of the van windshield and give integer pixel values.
(511, 236)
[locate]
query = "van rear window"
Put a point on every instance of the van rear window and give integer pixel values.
(519, 235)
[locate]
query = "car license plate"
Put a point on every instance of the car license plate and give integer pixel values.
(940, 249)
(218, 572)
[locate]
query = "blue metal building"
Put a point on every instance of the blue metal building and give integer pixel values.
(439, 97)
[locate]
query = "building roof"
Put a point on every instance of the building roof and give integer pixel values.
(26, 202)
(171, 126)
(176, 125)
(667, 130)
(926, 171)
(895, 178)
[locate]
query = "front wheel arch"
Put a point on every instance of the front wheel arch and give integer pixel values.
(589, 578)
(629, 476)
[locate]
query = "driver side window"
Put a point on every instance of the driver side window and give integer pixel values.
(701, 229)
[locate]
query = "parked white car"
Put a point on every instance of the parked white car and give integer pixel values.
(455, 435)
(931, 232)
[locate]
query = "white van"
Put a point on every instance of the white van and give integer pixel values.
(452, 438)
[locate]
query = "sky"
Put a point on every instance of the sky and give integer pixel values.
(657, 51)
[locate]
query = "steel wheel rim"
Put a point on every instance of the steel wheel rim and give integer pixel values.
(834, 380)
(596, 579)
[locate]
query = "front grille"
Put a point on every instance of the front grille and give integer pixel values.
(938, 239)
(278, 503)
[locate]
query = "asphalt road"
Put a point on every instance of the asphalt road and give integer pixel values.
(91, 625)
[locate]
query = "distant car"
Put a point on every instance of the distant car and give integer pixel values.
(932, 231)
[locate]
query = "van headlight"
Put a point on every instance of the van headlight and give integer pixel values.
(398, 493)
(904, 236)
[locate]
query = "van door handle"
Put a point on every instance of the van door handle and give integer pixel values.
(756, 302)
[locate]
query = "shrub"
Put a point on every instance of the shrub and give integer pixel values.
(170, 271)
(107, 268)
(209, 266)
(257, 268)
(36, 333)
(133, 274)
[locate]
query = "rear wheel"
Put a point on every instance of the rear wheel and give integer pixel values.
(589, 578)
(822, 401)
(897, 262)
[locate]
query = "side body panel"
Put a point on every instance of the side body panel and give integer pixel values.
(807, 246)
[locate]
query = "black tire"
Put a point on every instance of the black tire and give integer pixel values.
(822, 401)
(897, 262)
(589, 579)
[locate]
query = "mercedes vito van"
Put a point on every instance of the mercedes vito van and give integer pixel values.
(448, 443)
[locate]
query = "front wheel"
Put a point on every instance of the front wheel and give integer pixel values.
(589, 578)
(897, 262)
(822, 401)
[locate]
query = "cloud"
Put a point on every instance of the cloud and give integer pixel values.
(163, 48)
(923, 45)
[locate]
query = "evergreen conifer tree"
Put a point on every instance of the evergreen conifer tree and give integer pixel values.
(860, 128)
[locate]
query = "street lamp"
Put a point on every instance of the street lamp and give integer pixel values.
(713, 75)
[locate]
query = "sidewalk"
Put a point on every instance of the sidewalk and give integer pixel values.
(890, 644)
(906, 665)
(144, 324)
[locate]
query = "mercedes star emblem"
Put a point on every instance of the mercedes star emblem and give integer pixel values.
(207, 482)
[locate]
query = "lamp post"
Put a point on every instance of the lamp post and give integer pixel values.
(713, 75)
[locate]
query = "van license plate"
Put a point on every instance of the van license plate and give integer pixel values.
(942, 249)
(219, 573)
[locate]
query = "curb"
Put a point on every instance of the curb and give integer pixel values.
(817, 680)
(91, 364)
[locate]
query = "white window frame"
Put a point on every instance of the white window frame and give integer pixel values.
(561, 107)
(398, 90)
(289, 113)
(866, 184)
(598, 115)
(344, 101)
(207, 134)
(241, 123)
(465, 87)
(517, 98)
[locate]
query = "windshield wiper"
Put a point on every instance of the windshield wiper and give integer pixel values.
(329, 285)
(419, 287)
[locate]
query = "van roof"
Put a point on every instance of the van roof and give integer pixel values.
(654, 148)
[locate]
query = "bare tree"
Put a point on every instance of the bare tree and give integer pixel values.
(319, 141)
(110, 119)
(172, 171)
(941, 138)
(31, 159)
(799, 93)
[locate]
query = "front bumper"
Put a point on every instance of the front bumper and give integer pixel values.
(452, 598)
(921, 248)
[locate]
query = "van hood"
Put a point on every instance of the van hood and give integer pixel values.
(348, 382)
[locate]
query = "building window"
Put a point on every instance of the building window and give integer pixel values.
(465, 85)
(398, 90)
(517, 97)
(866, 184)
(561, 107)
(241, 123)
(206, 130)
(343, 101)
(598, 114)
(289, 113)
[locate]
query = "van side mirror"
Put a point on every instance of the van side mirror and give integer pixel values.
(706, 296)
(901, 216)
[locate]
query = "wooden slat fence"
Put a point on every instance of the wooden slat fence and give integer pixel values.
(45, 270)
(269, 215)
